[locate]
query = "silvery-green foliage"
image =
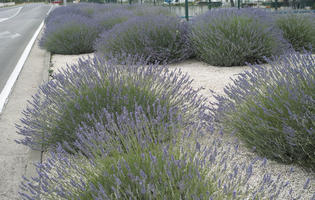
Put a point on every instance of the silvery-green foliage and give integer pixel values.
(234, 37)
(154, 37)
(106, 20)
(86, 88)
(298, 29)
(271, 108)
(186, 168)
(69, 34)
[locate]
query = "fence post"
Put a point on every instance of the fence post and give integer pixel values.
(186, 10)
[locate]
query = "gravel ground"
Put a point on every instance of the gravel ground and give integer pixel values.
(215, 78)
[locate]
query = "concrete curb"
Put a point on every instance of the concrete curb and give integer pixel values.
(36, 156)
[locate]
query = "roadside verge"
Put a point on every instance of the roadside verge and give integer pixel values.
(17, 160)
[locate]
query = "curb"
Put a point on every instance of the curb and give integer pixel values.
(37, 156)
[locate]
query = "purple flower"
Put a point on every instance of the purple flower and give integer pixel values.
(157, 38)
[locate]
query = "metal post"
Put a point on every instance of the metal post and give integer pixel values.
(239, 4)
(209, 5)
(186, 10)
(65, 2)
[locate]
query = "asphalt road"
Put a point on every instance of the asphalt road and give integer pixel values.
(17, 26)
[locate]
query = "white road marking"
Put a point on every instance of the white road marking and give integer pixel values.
(3, 19)
(14, 75)
(15, 35)
(15, 14)
(4, 33)
(7, 34)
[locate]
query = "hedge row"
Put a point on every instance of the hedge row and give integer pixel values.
(220, 37)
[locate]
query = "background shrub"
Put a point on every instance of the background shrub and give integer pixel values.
(230, 37)
(106, 20)
(90, 86)
(298, 29)
(144, 10)
(157, 38)
(69, 34)
(272, 110)
(72, 9)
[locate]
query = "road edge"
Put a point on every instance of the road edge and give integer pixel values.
(6, 91)
(36, 156)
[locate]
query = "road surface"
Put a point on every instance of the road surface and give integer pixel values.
(17, 26)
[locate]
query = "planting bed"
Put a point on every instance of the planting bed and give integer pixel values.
(119, 123)
(216, 78)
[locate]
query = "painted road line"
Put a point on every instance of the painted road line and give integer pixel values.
(5, 19)
(8, 34)
(14, 75)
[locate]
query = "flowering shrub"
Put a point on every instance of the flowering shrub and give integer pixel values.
(69, 34)
(272, 110)
(156, 38)
(149, 170)
(127, 132)
(72, 9)
(90, 86)
(298, 29)
(230, 37)
(145, 10)
(107, 20)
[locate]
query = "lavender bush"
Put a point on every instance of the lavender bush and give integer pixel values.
(155, 37)
(69, 34)
(144, 10)
(128, 163)
(60, 105)
(150, 170)
(231, 37)
(298, 29)
(81, 9)
(272, 109)
(106, 20)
